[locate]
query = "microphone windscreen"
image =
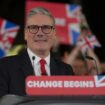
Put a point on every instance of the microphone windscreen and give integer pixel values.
(33, 58)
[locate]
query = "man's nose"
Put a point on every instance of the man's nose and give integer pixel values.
(40, 35)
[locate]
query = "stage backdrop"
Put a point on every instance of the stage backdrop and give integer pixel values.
(67, 19)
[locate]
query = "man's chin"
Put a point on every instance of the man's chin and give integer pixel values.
(40, 47)
(42, 51)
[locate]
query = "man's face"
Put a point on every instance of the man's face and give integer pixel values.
(40, 33)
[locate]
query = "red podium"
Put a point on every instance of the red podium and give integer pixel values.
(60, 90)
(65, 85)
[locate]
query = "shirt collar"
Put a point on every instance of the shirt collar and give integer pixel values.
(37, 59)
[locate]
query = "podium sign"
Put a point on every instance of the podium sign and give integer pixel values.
(65, 85)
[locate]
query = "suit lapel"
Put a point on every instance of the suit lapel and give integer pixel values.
(26, 65)
(27, 68)
(53, 66)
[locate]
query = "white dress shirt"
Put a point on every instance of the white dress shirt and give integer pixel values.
(36, 64)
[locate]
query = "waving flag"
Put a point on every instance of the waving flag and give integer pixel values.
(87, 42)
(66, 16)
(99, 81)
(74, 11)
(74, 32)
(8, 31)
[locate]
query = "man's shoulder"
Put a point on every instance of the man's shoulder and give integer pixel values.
(13, 58)
(63, 68)
(61, 64)
(9, 60)
(12, 62)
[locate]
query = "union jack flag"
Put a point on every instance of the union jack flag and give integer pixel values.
(8, 31)
(67, 19)
(99, 81)
(86, 42)
(73, 11)
(74, 32)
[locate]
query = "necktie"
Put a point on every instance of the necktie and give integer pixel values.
(42, 65)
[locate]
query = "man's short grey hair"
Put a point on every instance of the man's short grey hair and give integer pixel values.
(41, 10)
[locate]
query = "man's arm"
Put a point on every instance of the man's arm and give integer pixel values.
(4, 79)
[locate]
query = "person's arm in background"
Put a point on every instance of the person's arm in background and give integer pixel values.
(72, 56)
(92, 54)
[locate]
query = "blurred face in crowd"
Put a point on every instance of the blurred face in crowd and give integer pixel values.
(85, 32)
(84, 67)
(40, 34)
(79, 67)
(91, 66)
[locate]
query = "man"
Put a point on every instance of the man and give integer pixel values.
(39, 34)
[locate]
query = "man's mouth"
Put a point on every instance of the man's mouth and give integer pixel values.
(40, 40)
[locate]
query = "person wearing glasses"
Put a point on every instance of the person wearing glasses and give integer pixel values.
(37, 59)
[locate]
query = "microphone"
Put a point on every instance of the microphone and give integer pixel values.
(91, 58)
(33, 58)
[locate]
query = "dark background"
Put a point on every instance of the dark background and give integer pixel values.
(94, 10)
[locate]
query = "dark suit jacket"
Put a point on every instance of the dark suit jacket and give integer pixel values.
(14, 70)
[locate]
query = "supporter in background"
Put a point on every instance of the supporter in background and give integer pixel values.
(75, 56)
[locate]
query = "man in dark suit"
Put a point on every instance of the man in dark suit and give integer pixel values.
(39, 34)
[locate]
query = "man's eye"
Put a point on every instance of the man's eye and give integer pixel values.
(34, 27)
(47, 27)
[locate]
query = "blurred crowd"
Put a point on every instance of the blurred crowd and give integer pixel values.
(83, 62)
